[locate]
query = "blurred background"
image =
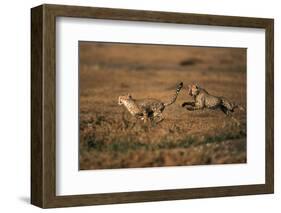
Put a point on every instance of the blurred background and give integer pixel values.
(111, 138)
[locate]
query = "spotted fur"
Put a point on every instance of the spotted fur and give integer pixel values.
(149, 108)
(202, 99)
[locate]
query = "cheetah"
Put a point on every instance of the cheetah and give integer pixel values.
(202, 99)
(148, 108)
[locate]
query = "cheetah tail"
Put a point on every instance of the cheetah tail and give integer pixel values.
(174, 97)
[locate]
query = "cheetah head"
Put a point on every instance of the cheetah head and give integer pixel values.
(124, 98)
(193, 90)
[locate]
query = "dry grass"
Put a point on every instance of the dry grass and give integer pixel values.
(111, 138)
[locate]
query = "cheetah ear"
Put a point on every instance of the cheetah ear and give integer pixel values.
(129, 95)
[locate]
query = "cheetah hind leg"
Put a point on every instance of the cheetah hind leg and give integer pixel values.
(145, 117)
(229, 114)
(235, 120)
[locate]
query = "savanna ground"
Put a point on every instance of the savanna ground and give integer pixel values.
(111, 138)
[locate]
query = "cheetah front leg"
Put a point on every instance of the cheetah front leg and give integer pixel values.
(197, 106)
(189, 103)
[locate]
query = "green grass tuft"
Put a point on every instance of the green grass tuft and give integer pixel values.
(125, 144)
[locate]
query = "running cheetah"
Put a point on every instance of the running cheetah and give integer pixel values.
(202, 99)
(148, 109)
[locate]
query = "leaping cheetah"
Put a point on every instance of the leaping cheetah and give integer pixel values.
(202, 99)
(148, 108)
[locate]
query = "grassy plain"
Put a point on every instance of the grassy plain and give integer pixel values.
(111, 138)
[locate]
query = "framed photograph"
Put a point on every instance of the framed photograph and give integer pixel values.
(137, 106)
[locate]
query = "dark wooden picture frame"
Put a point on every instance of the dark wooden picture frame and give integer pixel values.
(43, 105)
